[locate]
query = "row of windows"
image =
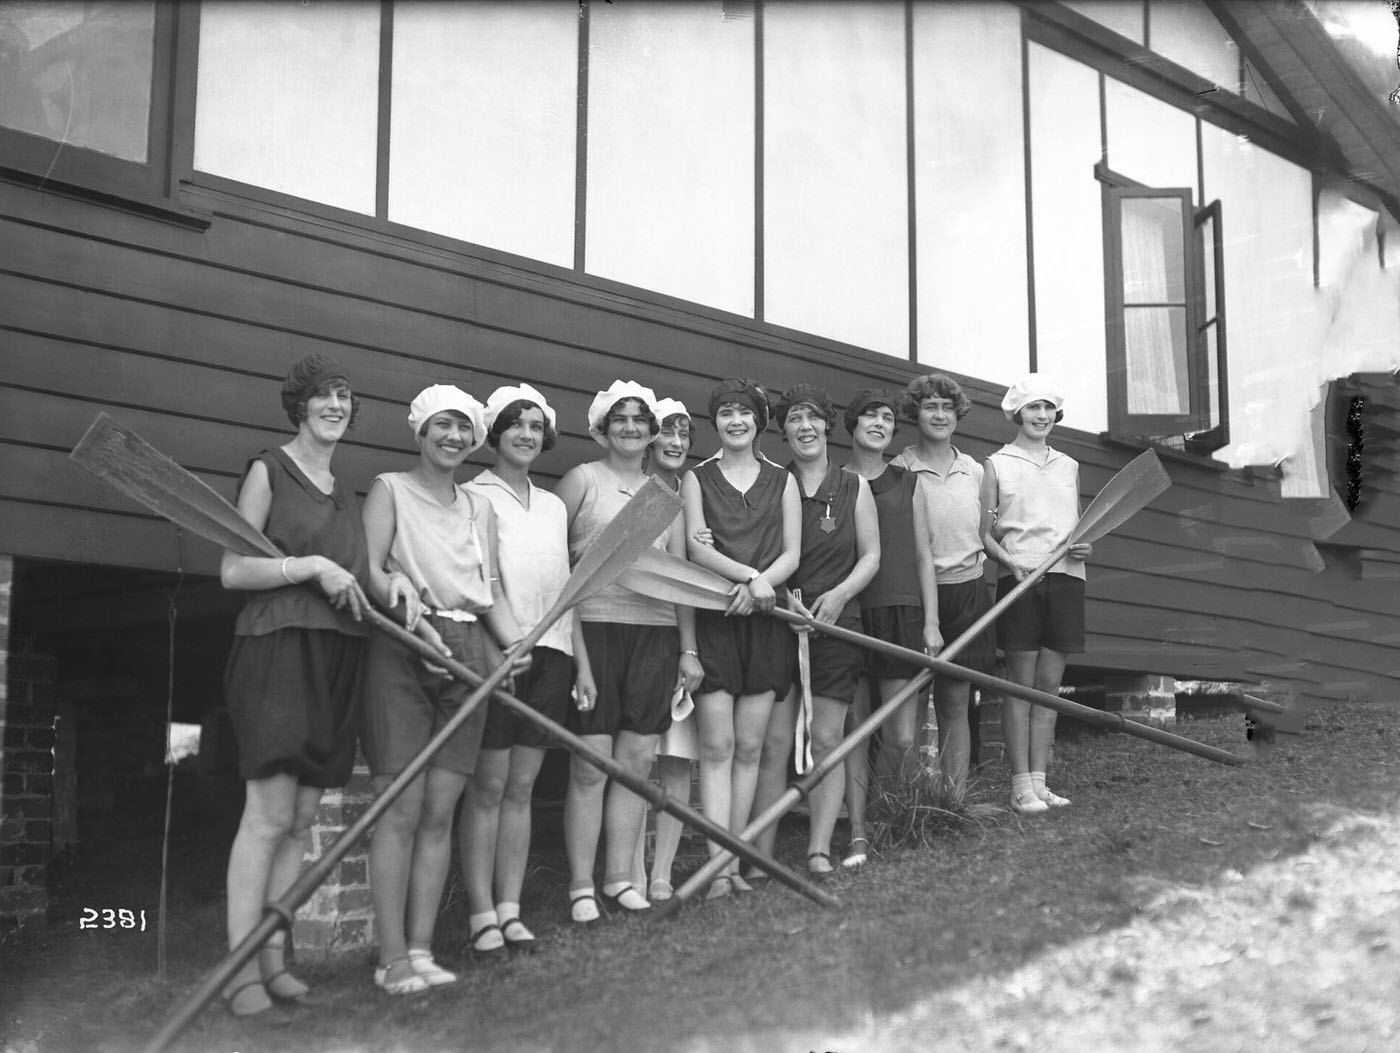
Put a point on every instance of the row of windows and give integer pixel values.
(640, 163)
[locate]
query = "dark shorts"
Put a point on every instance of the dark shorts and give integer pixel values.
(902, 625)
(293, 699)
(1049, 615)
(744, 656)
(836, 665)
(405, 704)
(959, 607)
(546, 687)
(635, 669)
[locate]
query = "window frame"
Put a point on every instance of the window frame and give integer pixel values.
(35, 158)
(1192, 428)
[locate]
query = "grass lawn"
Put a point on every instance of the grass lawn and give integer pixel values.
(771, 970)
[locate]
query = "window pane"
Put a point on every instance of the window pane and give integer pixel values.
(483, 126)
(1155, 339)
(969, 186)
(79, 73)
(1208, 270)
(288, 98)
(1212, 335)
(670, 150)
(1154, 266)
(835, 205)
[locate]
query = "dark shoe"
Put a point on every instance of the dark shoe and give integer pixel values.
(262, 1011)
(823, 873)
(614, 902)
(488, 944)
(518, 936)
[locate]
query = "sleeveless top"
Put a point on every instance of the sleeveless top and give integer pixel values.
(532, 554)
(442, 548)
(748, 526)
(954, 505)
(827, 558)
(1037, 506)
(305, 521)
(896, 583)
(603, 497)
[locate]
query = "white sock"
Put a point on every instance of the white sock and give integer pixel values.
(1021, 785)
(506, 911)
(477, 922)
(1038, 783)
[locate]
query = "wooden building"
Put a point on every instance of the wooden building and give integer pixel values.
(1185, 210)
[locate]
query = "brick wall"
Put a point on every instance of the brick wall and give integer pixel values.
(339, 917)
(27, 710)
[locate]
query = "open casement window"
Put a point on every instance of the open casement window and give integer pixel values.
(1165, 317)
(84, 93)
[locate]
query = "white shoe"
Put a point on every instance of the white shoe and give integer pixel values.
(1027, 803)
(1054, 800)
(424, 965)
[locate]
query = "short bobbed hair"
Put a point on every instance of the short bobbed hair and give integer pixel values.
(939, 386)
(512, 412)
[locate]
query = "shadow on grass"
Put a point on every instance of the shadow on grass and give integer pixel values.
(1148, 829)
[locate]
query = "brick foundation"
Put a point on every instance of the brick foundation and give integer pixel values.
(1144, 697)
(27, 711)
(338, 916)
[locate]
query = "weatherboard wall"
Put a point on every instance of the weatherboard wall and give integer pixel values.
(183, 334)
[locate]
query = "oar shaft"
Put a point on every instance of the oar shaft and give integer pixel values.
(1113, 721)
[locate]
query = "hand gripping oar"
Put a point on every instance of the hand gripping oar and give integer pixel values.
(121, 458)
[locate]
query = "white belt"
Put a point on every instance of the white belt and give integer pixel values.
(453, 616)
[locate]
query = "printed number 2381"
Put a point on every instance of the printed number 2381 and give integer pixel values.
(112, 919)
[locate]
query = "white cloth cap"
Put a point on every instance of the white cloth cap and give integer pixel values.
(504, 396)
(605, 400)
(669, 408)
(442, 397)
(1032, 388)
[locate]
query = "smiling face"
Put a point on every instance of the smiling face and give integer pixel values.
(629, 428)
(1037, 418)
(736, 424)
(672, 443)
(805, 431)
(328, 412)
(523, 440)
(874, 428)
(938, 418)
(445, 439)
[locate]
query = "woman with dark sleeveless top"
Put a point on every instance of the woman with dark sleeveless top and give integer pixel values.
(293, 675)
(743, 522)
(900, 605)
(840, 553)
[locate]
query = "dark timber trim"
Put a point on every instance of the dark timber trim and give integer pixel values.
(911, 174)
(1030, 213)
(758, 146)
(386, 106)
(581, 144)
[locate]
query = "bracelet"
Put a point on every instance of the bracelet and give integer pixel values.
(754, 577)
(284, 571)
(695, 653)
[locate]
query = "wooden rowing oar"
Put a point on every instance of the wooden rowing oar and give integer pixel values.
(120, 457)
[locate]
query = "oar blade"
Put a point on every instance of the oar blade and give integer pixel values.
(640, 522)
(125, 461)
(1126, 494)
(662, 576)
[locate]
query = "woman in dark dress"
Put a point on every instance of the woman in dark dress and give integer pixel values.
(292, 681)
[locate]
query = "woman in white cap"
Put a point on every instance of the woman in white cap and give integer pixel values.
(424, 525)
(1030, 502)
(533, 558)
(634, 648)
(678, 748)
(293, 675)
(743, 516)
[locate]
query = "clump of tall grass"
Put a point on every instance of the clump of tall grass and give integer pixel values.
(916, 808)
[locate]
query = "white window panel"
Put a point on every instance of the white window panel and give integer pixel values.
(288, 98)
(969, 185)
(1067, 210)
(484, 115)
(671, 151)
(1187, 33)
(835, 203)
(1149, 141)
(1122, 16)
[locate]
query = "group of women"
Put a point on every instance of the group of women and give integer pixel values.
(892, 549)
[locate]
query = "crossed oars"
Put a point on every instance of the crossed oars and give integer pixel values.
(121, 458)
(657, 574)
